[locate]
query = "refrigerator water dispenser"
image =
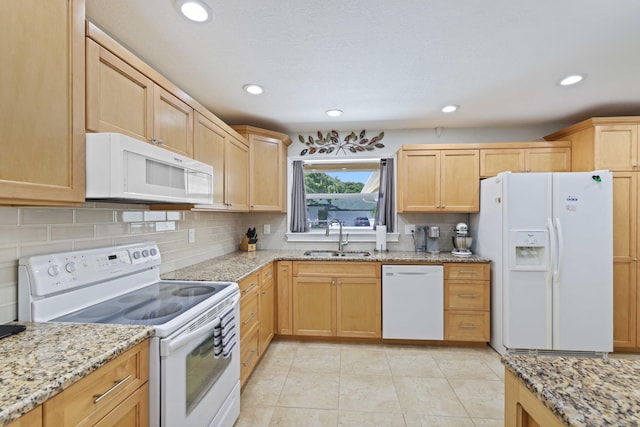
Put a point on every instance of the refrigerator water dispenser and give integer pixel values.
(529, 250)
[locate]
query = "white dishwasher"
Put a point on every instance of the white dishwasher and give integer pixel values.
(413, 302)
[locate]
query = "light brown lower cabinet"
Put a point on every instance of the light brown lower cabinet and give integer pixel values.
(257, 318)
(32, 418)
(115, 394)
(341, 299)
(467, 315)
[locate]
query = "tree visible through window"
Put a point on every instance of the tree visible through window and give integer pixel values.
(346, 192)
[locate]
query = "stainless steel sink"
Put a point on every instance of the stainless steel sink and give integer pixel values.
(330, 254)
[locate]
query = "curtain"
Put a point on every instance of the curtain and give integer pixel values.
(299, 223)
(386, 196)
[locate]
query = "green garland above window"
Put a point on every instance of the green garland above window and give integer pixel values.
(329, 143)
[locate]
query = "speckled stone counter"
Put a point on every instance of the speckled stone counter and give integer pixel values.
(582, 391)
(49, 357)
(237, 265)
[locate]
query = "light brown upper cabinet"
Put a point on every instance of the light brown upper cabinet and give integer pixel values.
(124, 96)
(268, 168)
(229, 156)
(438, 180)
(42, 102)
(525, 157)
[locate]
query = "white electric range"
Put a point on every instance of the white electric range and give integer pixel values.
(194, 353)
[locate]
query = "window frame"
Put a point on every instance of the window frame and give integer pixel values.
(355, 233)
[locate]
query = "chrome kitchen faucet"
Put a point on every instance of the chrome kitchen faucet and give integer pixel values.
(341, 243)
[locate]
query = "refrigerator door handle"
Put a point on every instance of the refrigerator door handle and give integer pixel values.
(556, 286)
(560, 251)
(549, 284)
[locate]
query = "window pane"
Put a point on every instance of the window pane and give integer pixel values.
(350, 196)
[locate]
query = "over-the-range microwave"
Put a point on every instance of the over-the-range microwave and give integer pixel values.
(121, 168)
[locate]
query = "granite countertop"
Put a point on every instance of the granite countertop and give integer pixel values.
(47, 358)
(583, 391)
(238, 265)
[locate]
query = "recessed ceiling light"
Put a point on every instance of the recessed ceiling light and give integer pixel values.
(195, 10)
(449, 108)
(253, 89)
(572, 79)
(334, 113)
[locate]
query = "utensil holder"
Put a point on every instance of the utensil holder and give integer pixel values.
(246, 246)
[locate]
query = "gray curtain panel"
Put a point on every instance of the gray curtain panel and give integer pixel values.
(299, 223)
(386, 196)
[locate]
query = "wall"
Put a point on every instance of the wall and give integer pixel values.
(28, 231)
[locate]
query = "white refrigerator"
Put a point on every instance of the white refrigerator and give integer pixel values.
(549, 237)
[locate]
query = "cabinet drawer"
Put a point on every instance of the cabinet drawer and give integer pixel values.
(266, 274)
(468, 271)
(333, 268)
(248, 313)
(91, 398)
(466, 295)
(248, 354)
(249, 285)
(466, 326)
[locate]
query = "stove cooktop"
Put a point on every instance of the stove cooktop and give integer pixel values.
(155, 304)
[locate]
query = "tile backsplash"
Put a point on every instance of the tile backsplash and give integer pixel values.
(28, 231)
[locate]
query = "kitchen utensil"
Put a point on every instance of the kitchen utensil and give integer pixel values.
(461, 241)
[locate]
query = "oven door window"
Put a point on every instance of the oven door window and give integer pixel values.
(203, 370)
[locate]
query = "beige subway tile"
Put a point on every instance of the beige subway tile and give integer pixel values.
(112, 229)
(174, 216)
(9, 253)
(130, 216)
(61, 232)
(142, 227)
(9, 292)
(31, 216)
(9, 216)
(22, 234)
(8, 312)
(154, 215)
(93, 216)
(9, 273)
(45, 248)
(90, 244)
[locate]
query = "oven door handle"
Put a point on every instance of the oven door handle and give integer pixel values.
(168, 347)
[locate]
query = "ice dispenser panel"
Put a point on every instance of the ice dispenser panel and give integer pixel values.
(529, 250)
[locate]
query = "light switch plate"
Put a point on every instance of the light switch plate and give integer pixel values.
(266, 229)
(192, 235)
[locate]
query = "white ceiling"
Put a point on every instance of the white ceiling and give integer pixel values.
(391, 64)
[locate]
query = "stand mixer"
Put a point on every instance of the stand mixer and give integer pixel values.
(462, 240)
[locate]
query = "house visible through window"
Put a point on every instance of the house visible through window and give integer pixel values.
(347, 192)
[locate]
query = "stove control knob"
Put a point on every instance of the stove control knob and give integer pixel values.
(53, 270)
(145, 253)
(136, 255)
(70, 267)
(153, 252)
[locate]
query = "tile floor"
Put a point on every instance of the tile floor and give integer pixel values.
(319, 384)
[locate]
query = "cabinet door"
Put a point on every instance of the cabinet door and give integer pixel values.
(494, 161)
(32, 418)
(625, 265)
(359, 306)
(42, 102)
(548, 159)
(314, 310)
(209, 143)
(265, 174)
(616, 147)
(419, 181)
(460, 181)
(237, 180)
(284, 298)
(267, 314)
(119, 97)
(172, 122)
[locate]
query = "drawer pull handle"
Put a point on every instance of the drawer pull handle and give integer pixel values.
(99, 397)
(253, 285)
(253, 353)
(253, 314)
(466, 271)
(266, 276)
(467, 327)
(467, 295)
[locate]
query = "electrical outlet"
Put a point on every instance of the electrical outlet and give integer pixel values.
(409, 228)
(266, 229)
(192, 235)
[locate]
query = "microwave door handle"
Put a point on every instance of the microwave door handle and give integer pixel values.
(168, 347)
